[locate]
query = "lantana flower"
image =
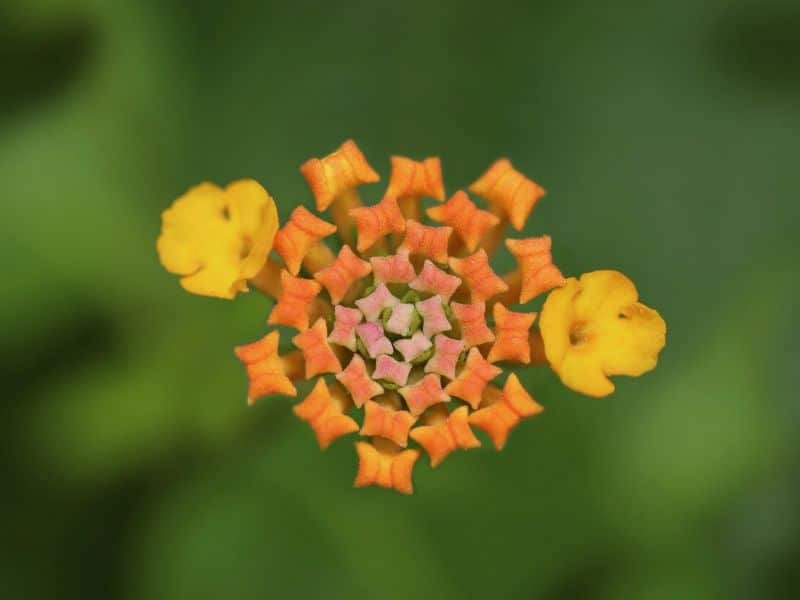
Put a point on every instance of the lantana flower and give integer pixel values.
(403, 326)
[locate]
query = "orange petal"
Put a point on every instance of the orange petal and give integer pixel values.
(426, 241)
(513, 331)
(294, 303)
(375, 222)
(479, 277)
(385, 465)
(535, 261)
(358, 382)
(344, 272)
(335, 174)
(387, 423)
(472, 380)
(500, 417)
(324, 411)
(298, 236)
(468, 221)
(316, 351)
(472, 318)
(508, 191)
(443, 438)
(392, 269)
(265, 368)
(423, 394)
(411, 178)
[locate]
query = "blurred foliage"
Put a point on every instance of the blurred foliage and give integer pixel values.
(666, 134)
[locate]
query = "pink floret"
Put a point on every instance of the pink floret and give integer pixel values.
(344, 327)
(391, 370)
(374, 341)
(412, 348)
(400, 321)
(373, 304)
(426, 392)
(434, 320)
(445, 356)
(432, 279)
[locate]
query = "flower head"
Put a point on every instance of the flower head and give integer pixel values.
(407, 331)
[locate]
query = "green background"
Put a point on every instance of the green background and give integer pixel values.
(667, 136)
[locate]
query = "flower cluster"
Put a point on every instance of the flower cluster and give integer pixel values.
(403, 324)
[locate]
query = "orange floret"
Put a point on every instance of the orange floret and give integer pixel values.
(472, 317)
(472, 380)
(508, 191)
(502, 415)
(426, 241)
(411, 178)
(324, 410)
(345, 270)
(317, 353)
(358, 382)
(443, 438)
(385, 465)
(479, 277)
(535, 261)
(340, 171)
(513, 331)
(294, 303)
(468, 221)
(300, 234)
(423, 394)
(387, 423)
(265, 368)
(375, 222)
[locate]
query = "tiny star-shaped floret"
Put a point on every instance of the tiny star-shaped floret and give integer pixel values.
(472, 380)
(414, 347)
(317, 353)
(391, 370)
(375, 222)
(468, 221)
(324, 410)
(342, 170)
(501, 416)
(432, 279)
(373, 304)
(358, 382)
(294, 303)
(537, 270)
(387, 423)
(343, 273)
(385, 465)
(426, 241)
(400, 320)
(445, 356)
(300, 234)
(509, 192)
(411, 178)
(375, 342)
(434, 319)
(423, 394)
(344, 326)
(481, 280)
(442, 438)
(472, 318)
(265, 368)
(513, 333)
(392, 269)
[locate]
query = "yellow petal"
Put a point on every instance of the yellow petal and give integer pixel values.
(218, 238)
(595, 328)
